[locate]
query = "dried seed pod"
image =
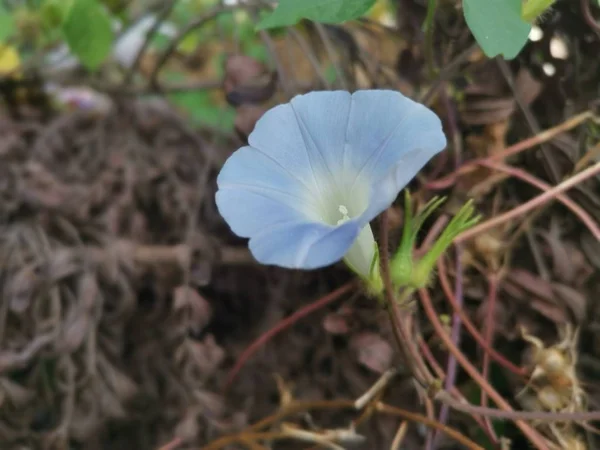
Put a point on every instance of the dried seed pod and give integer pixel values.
(552, 400)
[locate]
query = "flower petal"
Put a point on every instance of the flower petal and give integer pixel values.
(311, 157)
(250, 169)
(277, 135)
(390, 139)
(248, 212)
(323, 120)
(303, 245)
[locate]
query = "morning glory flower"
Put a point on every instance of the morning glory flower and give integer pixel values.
(318, 169)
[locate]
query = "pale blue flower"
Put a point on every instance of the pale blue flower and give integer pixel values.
(317, 170)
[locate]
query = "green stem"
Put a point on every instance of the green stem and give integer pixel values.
(428, 28)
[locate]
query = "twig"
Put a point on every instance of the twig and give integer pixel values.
(587, 15)
(242, 437)
(529, 118)
(429, 28)
(295, 407)
(174, 88)
(380, 384)
(544, 136)
(455, 392)
(149, 35)
(527, 430)
(587, 220)
(208, 16)
(272, 49)
(489, 339)
(399, 437)
(531, 204)
(443, 277)
(458, 282)
(305, 47)
(448, 72)
(284, 324)
(538, 416)
(330, 50)
(430, 423)
(172, 445)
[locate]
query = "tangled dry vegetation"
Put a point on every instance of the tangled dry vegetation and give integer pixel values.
(125, 301)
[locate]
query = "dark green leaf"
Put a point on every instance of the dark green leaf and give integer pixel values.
(290, 12)
(88, 32)
(497, 25)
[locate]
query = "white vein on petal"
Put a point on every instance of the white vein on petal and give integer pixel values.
(264, 190)
(302, 125)
(378, 152)
(258, 190)
(392, 172)
(285, 169)
(284, 224)
(346, 143)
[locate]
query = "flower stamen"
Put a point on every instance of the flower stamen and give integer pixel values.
(344, 212)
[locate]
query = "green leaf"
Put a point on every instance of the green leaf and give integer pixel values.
(290, 12)
(88, 32)
(200, 107)
(53, 12)
(497, 25)
(531, 9)
(202, 111)
(7, 23)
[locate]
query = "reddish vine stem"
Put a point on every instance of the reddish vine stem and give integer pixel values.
(454, 391)
(489, 339)
(535, 202)
(512, 150)
(172, 445)
(587, 220)
(586, 9)
(284, 324)
(445, 283)
(534, 437)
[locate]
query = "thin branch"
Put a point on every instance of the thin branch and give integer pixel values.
(208, 16)
(300, 406)
(587, 220)
(329, 48)
(430, 423)
(529, 118)
(310, 56)
(443, 277)
(512, 150)
(284, 324)
(527, 430)
(447, 73)
(489, 339)
(538, 416)
(455, 332)
(586, 10)
(550, 194)
(149, 35)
